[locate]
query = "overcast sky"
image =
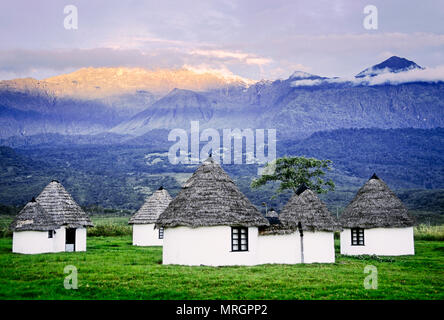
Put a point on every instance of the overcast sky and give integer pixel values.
(261, 39)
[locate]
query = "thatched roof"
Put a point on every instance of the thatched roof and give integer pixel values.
(33, 218)
(61, 206)
(154, 205)
(275, 227)
(376, 206)
(210, 198)
(306, 208)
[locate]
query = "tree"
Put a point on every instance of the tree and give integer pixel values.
(294, 171)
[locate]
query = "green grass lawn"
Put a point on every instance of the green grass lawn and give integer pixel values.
(114, 269)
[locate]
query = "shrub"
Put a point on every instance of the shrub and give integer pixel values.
(431, 233)
(109, 230)
(5, 232)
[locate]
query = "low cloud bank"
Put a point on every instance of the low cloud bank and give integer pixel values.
(432, 75)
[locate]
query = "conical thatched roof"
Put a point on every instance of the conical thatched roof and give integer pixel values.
(61, 206)
(275, 227)
(154, 205)
(305, 207)
(210, 198)
(33, 218)
(376, 206)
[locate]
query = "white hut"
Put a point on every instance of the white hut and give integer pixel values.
(143, 221)
(53, 222)
(376, 223)
(303, 232)
(211, 222)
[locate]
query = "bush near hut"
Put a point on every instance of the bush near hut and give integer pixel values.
(109, 230)
(430, 233)
(109, 226)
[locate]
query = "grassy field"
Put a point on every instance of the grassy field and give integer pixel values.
(114, 269)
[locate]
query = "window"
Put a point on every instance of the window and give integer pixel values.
(357, 235)
(50, 234)
(160, 233)
(239, 239)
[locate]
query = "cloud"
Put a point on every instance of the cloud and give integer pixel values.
(220, 72)
(221, 54)
(258, 61)
(22, 61)
(25, 63)
(435, 74)
(248, 58)
(308, 83)
(251, 37)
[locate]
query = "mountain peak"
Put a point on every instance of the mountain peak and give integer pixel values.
(301, 75)
(393, 64)
(181, 92)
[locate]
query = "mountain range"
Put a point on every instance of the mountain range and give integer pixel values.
(136, 101)
(109, 127)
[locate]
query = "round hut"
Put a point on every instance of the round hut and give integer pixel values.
(143, 221)
(210, 222)
(33, 230)
(305, 233)
(63, 220)
(376, 222)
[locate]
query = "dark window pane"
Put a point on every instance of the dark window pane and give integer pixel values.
(239, 239)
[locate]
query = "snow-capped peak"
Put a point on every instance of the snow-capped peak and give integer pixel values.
(301, 75)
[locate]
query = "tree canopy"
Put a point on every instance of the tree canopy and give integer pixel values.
(295, 171)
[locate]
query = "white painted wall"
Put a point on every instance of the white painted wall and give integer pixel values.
(146, 235)
(318, 248)
(212, 246)
(380, 241)
(81, 239)
(59, 240)
(285, 248)
(33, 242)
(207, 246)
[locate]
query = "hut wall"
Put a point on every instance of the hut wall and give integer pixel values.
(319, 247)
(146, 235)
(81, 239)
(59, 240)
(279, 248)
(380, 241)
(207, 246)
(32, 242)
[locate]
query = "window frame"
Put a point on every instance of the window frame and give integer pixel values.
(358, 232)
(239, 231)
(50, 234)
(161, 233)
